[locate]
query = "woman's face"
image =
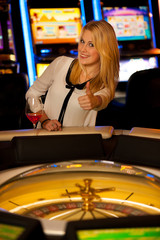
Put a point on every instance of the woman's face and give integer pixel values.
(87, 53)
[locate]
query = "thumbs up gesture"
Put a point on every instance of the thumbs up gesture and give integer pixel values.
(89, 101)
(88, 91)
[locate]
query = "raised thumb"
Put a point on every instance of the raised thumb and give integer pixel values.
(88, 90)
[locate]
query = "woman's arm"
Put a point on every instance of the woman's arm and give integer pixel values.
(50, 125)
(39, 88)
(42, 84)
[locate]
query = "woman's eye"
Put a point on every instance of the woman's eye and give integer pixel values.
(82, 41)
(91, 45)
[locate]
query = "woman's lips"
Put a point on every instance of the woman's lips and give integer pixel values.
(83, 56)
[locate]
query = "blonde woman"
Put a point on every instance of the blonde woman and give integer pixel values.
(78, 88)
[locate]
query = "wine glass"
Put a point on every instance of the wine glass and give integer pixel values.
(34, 109)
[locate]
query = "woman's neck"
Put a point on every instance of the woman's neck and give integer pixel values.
(87, 75)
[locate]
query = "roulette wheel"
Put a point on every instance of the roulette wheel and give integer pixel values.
(81, 190)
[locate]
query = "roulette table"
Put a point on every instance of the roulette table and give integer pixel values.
(57, 193)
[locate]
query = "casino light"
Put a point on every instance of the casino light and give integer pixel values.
(152, 22)
(96, 10)
(45, 50)
(27, 41)
(83, 17)
(74, 166)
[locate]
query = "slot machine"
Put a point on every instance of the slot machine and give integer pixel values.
(8, 60)
(52, 30)
(134, 27)
(55, 32)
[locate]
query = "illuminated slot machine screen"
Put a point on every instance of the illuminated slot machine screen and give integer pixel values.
(1, 38)
(55, 26)
(10, 36)
(131, 65)
(133, 28)
(16, 227)
(131, 228)
(8, 231)
(8, 64)
(40, 68)
(130, 24)
(120, 233)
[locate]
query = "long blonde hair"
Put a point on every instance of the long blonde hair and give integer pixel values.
(105, 42)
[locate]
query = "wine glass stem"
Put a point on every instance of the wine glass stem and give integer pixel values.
(34, 125)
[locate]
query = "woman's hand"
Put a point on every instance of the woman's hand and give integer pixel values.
(89, 101)
(52, 125)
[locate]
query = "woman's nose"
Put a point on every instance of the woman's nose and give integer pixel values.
(84, 47)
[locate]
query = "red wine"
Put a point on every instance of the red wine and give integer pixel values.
(34, 117)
